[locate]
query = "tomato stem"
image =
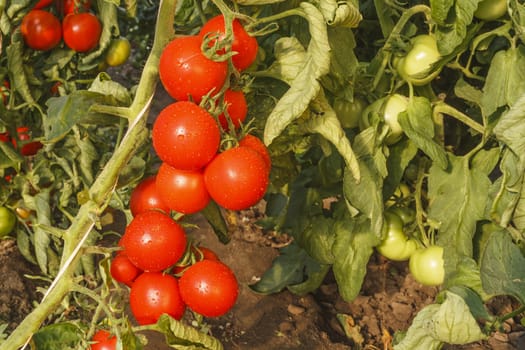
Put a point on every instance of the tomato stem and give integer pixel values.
(442, 107)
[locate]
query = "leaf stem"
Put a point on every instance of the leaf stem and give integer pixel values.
(444, 108)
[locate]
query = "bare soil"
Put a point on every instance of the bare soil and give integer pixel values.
(389, 300)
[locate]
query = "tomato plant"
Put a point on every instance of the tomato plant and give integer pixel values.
(118, 52)
(416, 64)
(146, 197)
(81, 31)
(237, 178)
(153, 294)
(244, 45)
(209, 288)
(182, 190)
(490, 10)
(187, 73)
(153, 241)
(103, 340)
(185, 136)
(7, 221)
(236, 108)
(427, 265)
(41, 30)
(123, 270)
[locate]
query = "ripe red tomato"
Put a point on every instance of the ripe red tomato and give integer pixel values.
(237, 108)
(182, 190)
(42, 4)
(237, 178)
(185, 136)
(81, 31)
(209, 288)
(153, 294)
(103, 340)
(145, 197)
(203, 253)
(245, 45)
(41, 30)
(185, 71)
(123, 270)
(198, 253)
(76, 6)
(153, 241)
(28, 148)
(256, 144)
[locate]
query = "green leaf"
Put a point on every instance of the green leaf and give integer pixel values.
(457, 201)
(401, 153)
(315, 275)
(467, 274)
(306, 84)
(503, 267)
(451, 35)
(290, 57)
(450, 322)
(287, 269)
(505, 82)
(213, 215)
(340, 13)
(185, 337)
(417, 124)
(441, 9)
(317, 239)
(63, 335)
(15, 66)
(354, 245)
(104, 85)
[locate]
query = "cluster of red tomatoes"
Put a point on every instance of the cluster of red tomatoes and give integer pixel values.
(80, 29)
(167, 274)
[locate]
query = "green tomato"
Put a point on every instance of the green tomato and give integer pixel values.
(427, 266)
(415, 66)
(349, 113)
(407, 215)
(394, 105)
(396, 245)
(118, 52)
(490, 10)
(400, 194)
(7, 221)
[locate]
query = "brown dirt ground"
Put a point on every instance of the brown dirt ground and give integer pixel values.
(389, 300)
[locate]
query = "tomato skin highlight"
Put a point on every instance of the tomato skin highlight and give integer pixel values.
(184, 70)
(209, 288)
(185, 136)
(237, 109)
(41, 30)
(427, 266)
(153, 241)
(237, 178)
(145, 197)
(81, 31)
(7, 221)
(245, 45)
(153, 294)
(123, 270)
(103, 340)
(183, 191)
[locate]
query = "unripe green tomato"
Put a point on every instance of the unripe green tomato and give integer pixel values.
(418, 61)
(394, 105)
(406, 214)
(7, 221)
(118, 52)
(396, 245)
(349, 113)
(427, 266)
(401, 192)
(490, 10)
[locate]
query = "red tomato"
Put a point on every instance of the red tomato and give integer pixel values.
(4, 137)
(81, 31)
(237, 108)
(41, 30)
(256, 144)
(182, 190)
(237, 178)
(185, 71)
(203, 253)
(153, 241)
(103, 340)
(185, 136)
(28, 148)
(245, 45)
(209, 288)
(76, 6)
(197, 254)
(153, 294)
(42, 4)
(145, 197)
(123, 270)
